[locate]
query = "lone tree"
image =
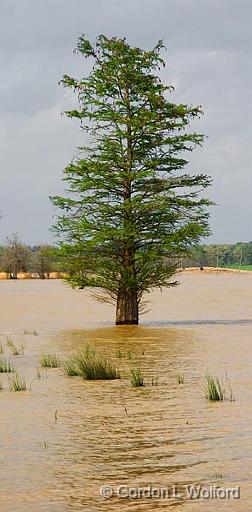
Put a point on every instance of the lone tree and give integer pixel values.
(131, 210)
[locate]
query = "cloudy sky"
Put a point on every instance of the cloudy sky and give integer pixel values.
(208, 60)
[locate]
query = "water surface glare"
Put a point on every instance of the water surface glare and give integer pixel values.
(64, 437)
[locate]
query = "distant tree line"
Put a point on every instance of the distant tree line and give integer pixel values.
(41, 260)
(37, 260)
(219, 255)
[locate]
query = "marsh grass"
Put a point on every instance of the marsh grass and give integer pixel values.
(95, 366)
(120, 354)
(136, 378)
(49, 360)
(32, 332)
(153, 381)
(181, 378)
(1, 348)
(70, 367)
(124, 355)
(214, 389)
(6, 366)
(17, 383)
(44, 445)
(16, 350)
(1, 386)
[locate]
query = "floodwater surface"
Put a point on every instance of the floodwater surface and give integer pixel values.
(64, 438)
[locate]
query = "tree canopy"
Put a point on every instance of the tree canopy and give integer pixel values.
(131, 209)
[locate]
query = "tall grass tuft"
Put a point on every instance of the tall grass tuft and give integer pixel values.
(214, 389)
(17, 383)
(70, 367)
(49, 360)
(136, 378)
(154, 381)
(95, 366)
(31, 332)
(1, 348)
(16, 350)
(6, 366)
(181, 378)
(124, 355)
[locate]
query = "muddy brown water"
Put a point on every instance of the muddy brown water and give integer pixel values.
(64, 438)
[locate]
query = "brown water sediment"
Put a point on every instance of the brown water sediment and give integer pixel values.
(110, 433)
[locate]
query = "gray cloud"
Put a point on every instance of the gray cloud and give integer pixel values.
(208, 60)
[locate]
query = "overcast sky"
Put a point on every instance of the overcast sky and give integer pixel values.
(208, 61)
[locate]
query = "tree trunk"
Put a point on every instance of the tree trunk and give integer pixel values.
(127, 308)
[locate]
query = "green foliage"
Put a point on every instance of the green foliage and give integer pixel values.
(30, 332)
(95, 366)
(16, 350)
(49, 360)
(132, 210)
(71, 367)
(237, 256)
(17, 383)
(136, 377)
(214, 389)
(6, 366)
(181, 378)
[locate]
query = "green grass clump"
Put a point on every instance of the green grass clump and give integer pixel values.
(44, 445)
(71, 368)
(181, 378)
(214, 389)
(1, 348)
(154, 381)
(31, 332)
(6, 366)
(136, 378)
(49, 360)
(17, 383)
(119, 354)
(123, 355)
(95, 366)
(16, 350)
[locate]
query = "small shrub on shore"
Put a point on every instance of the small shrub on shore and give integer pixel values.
(49, 360)
(136, 377)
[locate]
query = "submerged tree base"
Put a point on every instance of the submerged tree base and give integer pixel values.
(127, 322)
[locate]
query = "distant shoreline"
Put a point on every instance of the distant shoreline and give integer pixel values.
(215, 270)
(187, 270)
(30, 275)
